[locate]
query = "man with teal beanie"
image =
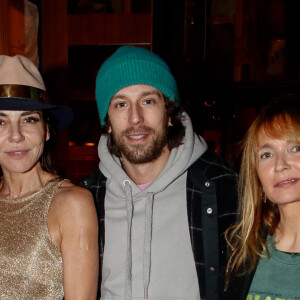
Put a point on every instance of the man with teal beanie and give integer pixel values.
(130, 66)
(163, 200)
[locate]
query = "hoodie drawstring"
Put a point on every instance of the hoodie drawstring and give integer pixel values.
(147, 241)
(129, 207)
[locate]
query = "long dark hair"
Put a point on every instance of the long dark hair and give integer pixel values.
(47, 159)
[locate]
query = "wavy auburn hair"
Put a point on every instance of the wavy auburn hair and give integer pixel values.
(279, 120)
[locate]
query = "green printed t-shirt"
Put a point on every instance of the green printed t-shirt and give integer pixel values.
(277, 277)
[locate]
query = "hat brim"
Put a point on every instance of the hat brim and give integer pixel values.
(62, 114)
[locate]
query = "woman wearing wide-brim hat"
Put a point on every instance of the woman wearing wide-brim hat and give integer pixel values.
(48, 226)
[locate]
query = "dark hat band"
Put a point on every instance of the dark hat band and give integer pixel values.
(23, 91)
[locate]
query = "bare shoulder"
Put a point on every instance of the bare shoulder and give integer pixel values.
(73, 199)
(68, 189)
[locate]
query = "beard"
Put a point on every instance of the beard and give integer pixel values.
(137, 153)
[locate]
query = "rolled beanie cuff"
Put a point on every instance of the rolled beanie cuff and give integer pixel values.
(120, 74)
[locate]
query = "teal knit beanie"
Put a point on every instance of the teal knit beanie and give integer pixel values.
(130, 66)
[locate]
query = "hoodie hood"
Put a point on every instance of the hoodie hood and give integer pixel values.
(180, 159)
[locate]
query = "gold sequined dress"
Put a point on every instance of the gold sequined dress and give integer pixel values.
(30, 263)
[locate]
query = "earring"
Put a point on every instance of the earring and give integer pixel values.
(265, 198)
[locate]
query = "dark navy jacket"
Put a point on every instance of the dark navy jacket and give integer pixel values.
(239, 286)
(211, 208)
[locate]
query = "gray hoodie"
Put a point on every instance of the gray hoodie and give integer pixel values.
(148, 251)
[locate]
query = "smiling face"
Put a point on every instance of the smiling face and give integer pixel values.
(278, 168)
(22, 138)
(138, 123)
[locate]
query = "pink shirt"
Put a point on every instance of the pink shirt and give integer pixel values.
(143, 186)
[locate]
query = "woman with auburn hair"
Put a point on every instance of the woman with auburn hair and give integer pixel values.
(265, 243)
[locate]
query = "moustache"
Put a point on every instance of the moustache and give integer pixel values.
(138, 130)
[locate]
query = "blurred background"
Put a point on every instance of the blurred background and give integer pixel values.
(229, 57)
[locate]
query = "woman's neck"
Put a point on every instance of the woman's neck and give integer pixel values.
(287, 235)
(19, 185)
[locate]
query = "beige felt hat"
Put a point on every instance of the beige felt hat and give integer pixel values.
(22, 88)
